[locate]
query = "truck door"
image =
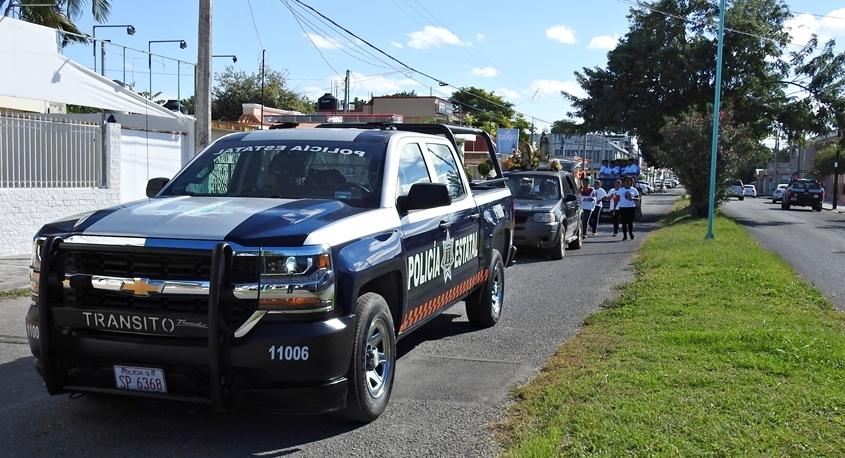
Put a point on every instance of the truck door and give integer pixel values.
(423, 234)
(462, 243)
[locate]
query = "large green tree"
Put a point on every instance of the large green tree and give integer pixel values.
(485, 109)
(61, 16)
(234, 87)
(665, 65)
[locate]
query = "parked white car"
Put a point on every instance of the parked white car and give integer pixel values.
(644, 187)
(777, 195)
(737, 189)
(749, 190)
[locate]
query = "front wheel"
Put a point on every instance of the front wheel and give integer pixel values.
(818, 208)
(484, 306)
(558, 250)
(373, 360)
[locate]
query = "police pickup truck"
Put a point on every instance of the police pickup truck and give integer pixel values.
(278, 265)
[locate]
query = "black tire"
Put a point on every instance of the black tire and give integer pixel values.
(742, 198)
(483, 309)
(579, 241)
(817, 208)
(784, 206)
(365, 400)
(774, 201)
(558, 250)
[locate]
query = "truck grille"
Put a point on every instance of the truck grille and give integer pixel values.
(159, 265)
(521, 217)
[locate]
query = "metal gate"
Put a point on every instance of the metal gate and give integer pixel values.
(41, 152)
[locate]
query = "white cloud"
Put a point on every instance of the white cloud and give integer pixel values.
(432, 37)
(803, 26)
(396, 44)
(603, 42)
(480, 37)
(323, 42)
(508, 93)
(562, 34)
(555, 86)
(486, 72)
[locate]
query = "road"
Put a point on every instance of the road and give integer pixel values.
(452, 380)
(812, 242)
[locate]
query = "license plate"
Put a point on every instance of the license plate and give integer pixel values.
(133, 378)
(815, 196)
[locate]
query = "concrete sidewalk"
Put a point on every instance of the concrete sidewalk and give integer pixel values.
(829, 206)
(14, 272)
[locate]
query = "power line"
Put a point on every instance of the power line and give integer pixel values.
(254, 25)
(319, 51)
(437, 80)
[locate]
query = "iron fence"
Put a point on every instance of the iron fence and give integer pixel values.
(48, 152)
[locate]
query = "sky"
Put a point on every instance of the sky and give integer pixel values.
(524, 51)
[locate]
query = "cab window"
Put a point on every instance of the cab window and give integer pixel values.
(445, 168)
(412, 169)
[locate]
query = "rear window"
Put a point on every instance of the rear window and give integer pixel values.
(350, 172)
(808, 184)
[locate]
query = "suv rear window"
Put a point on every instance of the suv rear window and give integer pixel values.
(806, 184)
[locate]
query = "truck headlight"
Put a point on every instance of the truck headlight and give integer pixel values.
(35, 259)
(296, 280)
(544, 217)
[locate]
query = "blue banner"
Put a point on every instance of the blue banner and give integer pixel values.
(507, 140)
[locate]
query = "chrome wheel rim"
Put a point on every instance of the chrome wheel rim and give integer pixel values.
(497, 292)
(378, 359)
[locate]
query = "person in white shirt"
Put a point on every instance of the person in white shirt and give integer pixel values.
(632, 168)
(588, 203)
(600, 194)
(614, 201)
(605, 168)
(628, 197)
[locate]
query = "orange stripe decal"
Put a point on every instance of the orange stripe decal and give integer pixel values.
(436, 303)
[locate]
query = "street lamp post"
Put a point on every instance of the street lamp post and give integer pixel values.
(714, 141)
(183, 45)
(130, 30)
(234, 57)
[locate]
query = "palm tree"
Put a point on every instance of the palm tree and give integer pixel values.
(60, 16)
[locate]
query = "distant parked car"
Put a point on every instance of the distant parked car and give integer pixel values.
(749, 190)
(737, 189)
(805, 192)
(644, 187)
(777, 195)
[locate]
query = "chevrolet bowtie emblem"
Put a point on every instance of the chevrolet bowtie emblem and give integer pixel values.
(142, 286)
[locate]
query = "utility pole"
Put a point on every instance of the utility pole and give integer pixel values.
(776, 181)
(584, 156)
(202, 107)
(103, 57)
(836, 170)
(714, 141)
(263, 53)
(346, 93)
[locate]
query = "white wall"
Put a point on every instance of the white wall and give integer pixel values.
(147, 155)
(24, 210)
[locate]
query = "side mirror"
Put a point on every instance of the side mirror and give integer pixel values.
(570, 198)
(155, 185)
(424, 195)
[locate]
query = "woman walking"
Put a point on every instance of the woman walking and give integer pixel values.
(627, 206)
(614, 201)
(588, 203)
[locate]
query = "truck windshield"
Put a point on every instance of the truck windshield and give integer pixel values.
(346, 171)
(534, 187)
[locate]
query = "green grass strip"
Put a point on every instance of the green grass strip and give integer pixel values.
(717, 348)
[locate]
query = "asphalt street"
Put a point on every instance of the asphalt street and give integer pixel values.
(812, 242)
(452, 380)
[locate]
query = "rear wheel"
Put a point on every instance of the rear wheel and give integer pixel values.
(784, 206)
(818, 208)
(484, 306)
(373, 360)
(741, 197)
(578, 242)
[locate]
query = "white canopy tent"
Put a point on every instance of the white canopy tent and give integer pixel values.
(33, 68)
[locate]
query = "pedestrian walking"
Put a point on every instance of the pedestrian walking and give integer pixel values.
(628, 197)
(588, 203)
(613, 197)
(600, 195)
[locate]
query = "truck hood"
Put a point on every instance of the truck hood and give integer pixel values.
(247, 221)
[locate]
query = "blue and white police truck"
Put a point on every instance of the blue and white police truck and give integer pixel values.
(278, 265)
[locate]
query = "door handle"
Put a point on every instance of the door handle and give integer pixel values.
(444, 224)
(475, 216)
